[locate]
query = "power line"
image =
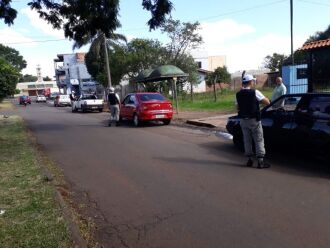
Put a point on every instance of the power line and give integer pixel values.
(32, 41)
(204, 18)
(227, 13)
(244, 10)
(316, 3)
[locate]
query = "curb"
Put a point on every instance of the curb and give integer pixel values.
(200, 124)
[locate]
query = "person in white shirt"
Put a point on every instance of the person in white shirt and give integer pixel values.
(248, 100)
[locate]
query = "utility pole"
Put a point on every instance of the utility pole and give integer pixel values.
(107, 61)
(291, 24)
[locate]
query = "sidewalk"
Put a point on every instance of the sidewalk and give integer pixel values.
(212, 120)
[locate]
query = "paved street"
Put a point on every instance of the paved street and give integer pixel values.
(170, 186)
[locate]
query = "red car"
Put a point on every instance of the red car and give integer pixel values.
(141, 107)
(24, 99)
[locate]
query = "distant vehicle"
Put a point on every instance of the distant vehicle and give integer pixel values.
(302, 122)
(41, 98)
(53, 95)
(24, 100)
(147, 106)
(62, 100)
(87, 102)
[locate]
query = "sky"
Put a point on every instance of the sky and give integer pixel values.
(244, 31)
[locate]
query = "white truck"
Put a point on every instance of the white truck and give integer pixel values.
(87, 102)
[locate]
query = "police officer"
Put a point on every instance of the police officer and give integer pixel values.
(248, 100)
(114, 102)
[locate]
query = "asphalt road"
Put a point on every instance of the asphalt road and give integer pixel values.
(170, 186)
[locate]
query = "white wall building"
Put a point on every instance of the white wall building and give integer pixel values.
(37, 88)
(209, 63)
(206, 64)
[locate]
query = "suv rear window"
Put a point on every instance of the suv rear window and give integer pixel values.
(151, 97)
(89, 97)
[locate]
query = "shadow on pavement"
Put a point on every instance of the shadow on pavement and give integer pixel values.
(281, 161)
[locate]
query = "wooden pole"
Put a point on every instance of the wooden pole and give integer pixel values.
(176, 96)
(291, 28)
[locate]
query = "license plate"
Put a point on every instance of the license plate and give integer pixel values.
(160, 116)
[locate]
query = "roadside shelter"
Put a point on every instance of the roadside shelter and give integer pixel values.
(161, 73)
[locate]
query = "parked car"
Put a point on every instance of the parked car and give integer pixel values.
(141, 107)
(303, 122)
(87, 102)
(24, 99)
(62, 100)
(41, 98)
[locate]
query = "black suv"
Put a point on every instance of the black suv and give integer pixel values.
(299, 121)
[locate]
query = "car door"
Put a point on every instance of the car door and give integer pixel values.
(313, 124)
(131, 107)
(125, 107)
(277, 122)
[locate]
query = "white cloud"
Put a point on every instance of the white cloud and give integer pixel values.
(221, 38)
(41, 24)
(10, 37)
(223, 31)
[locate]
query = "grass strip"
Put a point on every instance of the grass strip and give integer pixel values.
(32, 217)
(6, 105)
(205, 101)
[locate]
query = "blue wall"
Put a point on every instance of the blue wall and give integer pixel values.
(292, 83)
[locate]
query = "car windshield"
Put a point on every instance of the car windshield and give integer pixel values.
(89, 97)
(41, 96)
(64, 96)
(152, 97)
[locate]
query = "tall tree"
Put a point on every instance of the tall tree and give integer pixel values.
(220, 75)
(183, 37)
(321, 35)
(9, 76)
(274, 62)
(144, 54)
(95, 58)
(13, 57)
(83, 20)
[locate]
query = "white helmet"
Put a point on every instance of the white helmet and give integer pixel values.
(111, 89)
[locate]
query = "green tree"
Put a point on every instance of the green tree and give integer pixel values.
(141, 54)
(321, 35)
(47, 78)
(82, 20)
(274, 62)
(28, 78)
(144, 54)
(9, 76)
(12, 56)
(220, 75)
(95, 58)
(183, 37)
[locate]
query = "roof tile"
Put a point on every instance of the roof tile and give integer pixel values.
(315, 44)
